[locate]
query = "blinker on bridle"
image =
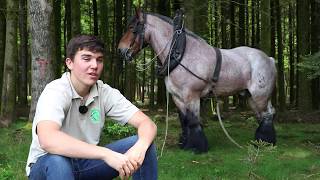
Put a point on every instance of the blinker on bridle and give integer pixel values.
(138, 30)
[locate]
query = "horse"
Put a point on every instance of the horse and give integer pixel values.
(243, 70)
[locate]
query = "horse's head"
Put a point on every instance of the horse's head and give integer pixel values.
(133, 40)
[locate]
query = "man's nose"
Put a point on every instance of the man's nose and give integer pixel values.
(94, 63)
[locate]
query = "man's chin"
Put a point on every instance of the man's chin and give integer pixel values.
(92, 81)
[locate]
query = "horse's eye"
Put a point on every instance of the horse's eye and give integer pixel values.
(131, 28)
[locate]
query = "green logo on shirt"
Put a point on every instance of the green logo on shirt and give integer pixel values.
(95, 115)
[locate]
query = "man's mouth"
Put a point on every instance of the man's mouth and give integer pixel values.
(93, 74)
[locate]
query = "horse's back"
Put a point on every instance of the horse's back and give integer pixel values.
(258, 60)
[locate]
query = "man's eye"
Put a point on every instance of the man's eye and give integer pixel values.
(86, 59)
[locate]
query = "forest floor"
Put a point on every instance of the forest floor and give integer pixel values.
(296, 156)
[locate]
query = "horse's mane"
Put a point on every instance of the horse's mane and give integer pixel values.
(170, 21)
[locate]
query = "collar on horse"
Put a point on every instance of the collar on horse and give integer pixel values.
(177, 47)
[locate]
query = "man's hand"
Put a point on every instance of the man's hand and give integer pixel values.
(121, 163)
(136, 154)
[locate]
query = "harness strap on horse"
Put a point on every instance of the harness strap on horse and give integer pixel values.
(177, 47)
(218, 65)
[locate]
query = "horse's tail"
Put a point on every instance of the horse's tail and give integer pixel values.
(272, 59)
(273, 63)
(274, 68)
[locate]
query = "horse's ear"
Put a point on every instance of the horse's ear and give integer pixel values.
(138, 12)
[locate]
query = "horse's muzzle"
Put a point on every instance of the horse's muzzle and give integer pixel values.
(125, 53)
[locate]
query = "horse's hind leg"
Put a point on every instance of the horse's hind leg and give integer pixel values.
(192, 136)
(265, 114)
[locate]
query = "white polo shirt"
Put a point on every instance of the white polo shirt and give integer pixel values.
(59, 102)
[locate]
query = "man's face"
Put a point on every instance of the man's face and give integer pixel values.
(86, 67)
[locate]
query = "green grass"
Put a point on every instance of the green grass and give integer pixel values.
(296, 156)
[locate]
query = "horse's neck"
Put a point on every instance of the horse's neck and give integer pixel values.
(160, 36)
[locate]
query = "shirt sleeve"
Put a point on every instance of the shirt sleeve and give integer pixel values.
(117, 106)
(52, 105)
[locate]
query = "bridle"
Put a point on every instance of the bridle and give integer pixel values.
(138, 31)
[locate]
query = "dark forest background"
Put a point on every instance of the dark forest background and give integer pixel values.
(34, 33)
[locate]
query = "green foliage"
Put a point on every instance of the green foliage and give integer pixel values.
(6, 172)
(115, 130)
(255, 150)
(138, 3)
(295, 157)
(311, 65)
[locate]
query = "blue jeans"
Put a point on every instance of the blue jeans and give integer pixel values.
(53, 167)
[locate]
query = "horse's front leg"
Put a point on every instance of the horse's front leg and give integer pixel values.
(192, 136)
(183, 138)
(196, 141)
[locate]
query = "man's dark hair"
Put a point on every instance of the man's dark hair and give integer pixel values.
(80, 42)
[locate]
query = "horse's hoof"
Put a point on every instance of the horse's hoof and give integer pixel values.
(197, 141)
(266, 132)
(182, 141)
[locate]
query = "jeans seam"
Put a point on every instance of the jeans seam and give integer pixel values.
(90, 168)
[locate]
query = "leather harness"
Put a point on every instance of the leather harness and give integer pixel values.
(177, 48)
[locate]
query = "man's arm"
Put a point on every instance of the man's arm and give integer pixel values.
(147, 131)
(54, 141)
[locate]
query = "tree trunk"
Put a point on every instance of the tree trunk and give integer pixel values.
(315, 47)
(216, 23)
(265, 27)
(273, 43)
(95, 18)
(23, 60)
(253, 30)
(8, 98)
(292, 81)
(281, 92)
(57, 61)
(2, 39)
(242, 23)
(232, 25)
(143, 83)
(258, 26)
(130, 76)
(104, 34)
(152, 73)
(163, 8)
(40, 12)
(75, 17)
(67, 22)
(118, 64)
(303, 32)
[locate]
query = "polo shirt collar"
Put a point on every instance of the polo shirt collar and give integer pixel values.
(93, 91)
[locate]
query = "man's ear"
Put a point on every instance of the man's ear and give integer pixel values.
(69, 63)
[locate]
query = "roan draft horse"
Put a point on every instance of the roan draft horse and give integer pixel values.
(243, 70)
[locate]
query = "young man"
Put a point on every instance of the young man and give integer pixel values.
(69, 119)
